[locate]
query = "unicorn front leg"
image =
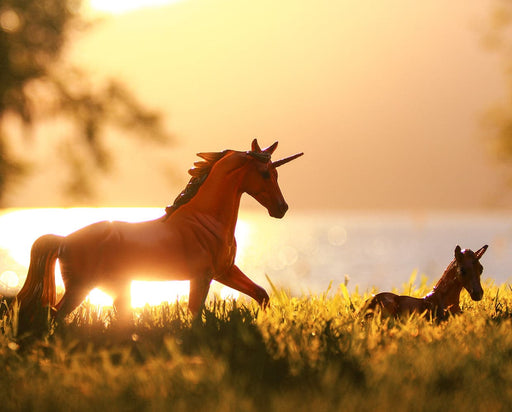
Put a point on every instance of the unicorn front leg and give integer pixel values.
(236, 279)
(199, 288)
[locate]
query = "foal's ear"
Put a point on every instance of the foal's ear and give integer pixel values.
(481, 251)
(458, 253)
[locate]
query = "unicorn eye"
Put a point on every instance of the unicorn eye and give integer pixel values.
(265, 174)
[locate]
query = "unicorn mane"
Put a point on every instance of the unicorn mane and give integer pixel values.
(200, 172)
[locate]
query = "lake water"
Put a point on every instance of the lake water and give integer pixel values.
(303, 252)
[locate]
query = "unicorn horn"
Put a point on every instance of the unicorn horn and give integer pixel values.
(286, 159)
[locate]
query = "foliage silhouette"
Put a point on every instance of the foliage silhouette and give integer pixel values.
(497, 37)
(36, 84)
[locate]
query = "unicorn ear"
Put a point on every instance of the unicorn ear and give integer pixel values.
(255, 147)
(481, 251)
(271, 149)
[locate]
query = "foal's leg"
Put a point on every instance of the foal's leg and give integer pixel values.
(236, 279)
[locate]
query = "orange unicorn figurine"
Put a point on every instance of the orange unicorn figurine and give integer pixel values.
(463, 272)
(193, 241)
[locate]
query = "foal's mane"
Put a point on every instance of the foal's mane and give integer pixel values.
(447, 274)
(200, 172)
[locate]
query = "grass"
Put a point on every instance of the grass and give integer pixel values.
(301, 354)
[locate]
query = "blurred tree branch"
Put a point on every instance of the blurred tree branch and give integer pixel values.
(35, 84)
(497, 37)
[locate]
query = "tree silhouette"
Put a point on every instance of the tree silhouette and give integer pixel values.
(497, 37)
(35, 84)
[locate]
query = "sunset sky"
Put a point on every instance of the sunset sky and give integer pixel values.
(386, 99)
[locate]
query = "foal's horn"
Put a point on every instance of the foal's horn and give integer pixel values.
(481, 251)
(281, 162)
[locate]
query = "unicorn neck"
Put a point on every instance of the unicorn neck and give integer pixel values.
(219, 199)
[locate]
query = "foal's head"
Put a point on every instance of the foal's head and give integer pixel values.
(469, 270)
(261, 179)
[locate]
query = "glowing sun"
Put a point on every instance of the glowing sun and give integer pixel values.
(15, 245)
(122, 6)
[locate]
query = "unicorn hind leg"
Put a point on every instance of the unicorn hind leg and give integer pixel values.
(71, 299)
(76, 290)
(122, 302)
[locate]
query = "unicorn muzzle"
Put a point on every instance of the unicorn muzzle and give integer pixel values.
(279, 211)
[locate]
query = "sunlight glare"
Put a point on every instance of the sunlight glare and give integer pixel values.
(242, 235)
(20, 228)
(59, 282)
(229, 293)
(156, 293)
(99, 298)
(123, 6)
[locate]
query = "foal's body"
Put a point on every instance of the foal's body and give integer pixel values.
(463, 272)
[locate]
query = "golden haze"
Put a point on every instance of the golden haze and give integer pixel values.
(385, 99)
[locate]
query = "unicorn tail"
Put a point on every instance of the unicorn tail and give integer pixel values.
(39, 290)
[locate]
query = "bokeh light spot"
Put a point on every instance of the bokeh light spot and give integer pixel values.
(9, 21)
(337, 235)
(9, 279)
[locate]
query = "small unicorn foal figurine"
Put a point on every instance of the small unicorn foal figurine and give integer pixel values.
(194, 240)
(463, 272)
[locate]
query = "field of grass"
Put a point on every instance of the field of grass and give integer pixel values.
(309, 353)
